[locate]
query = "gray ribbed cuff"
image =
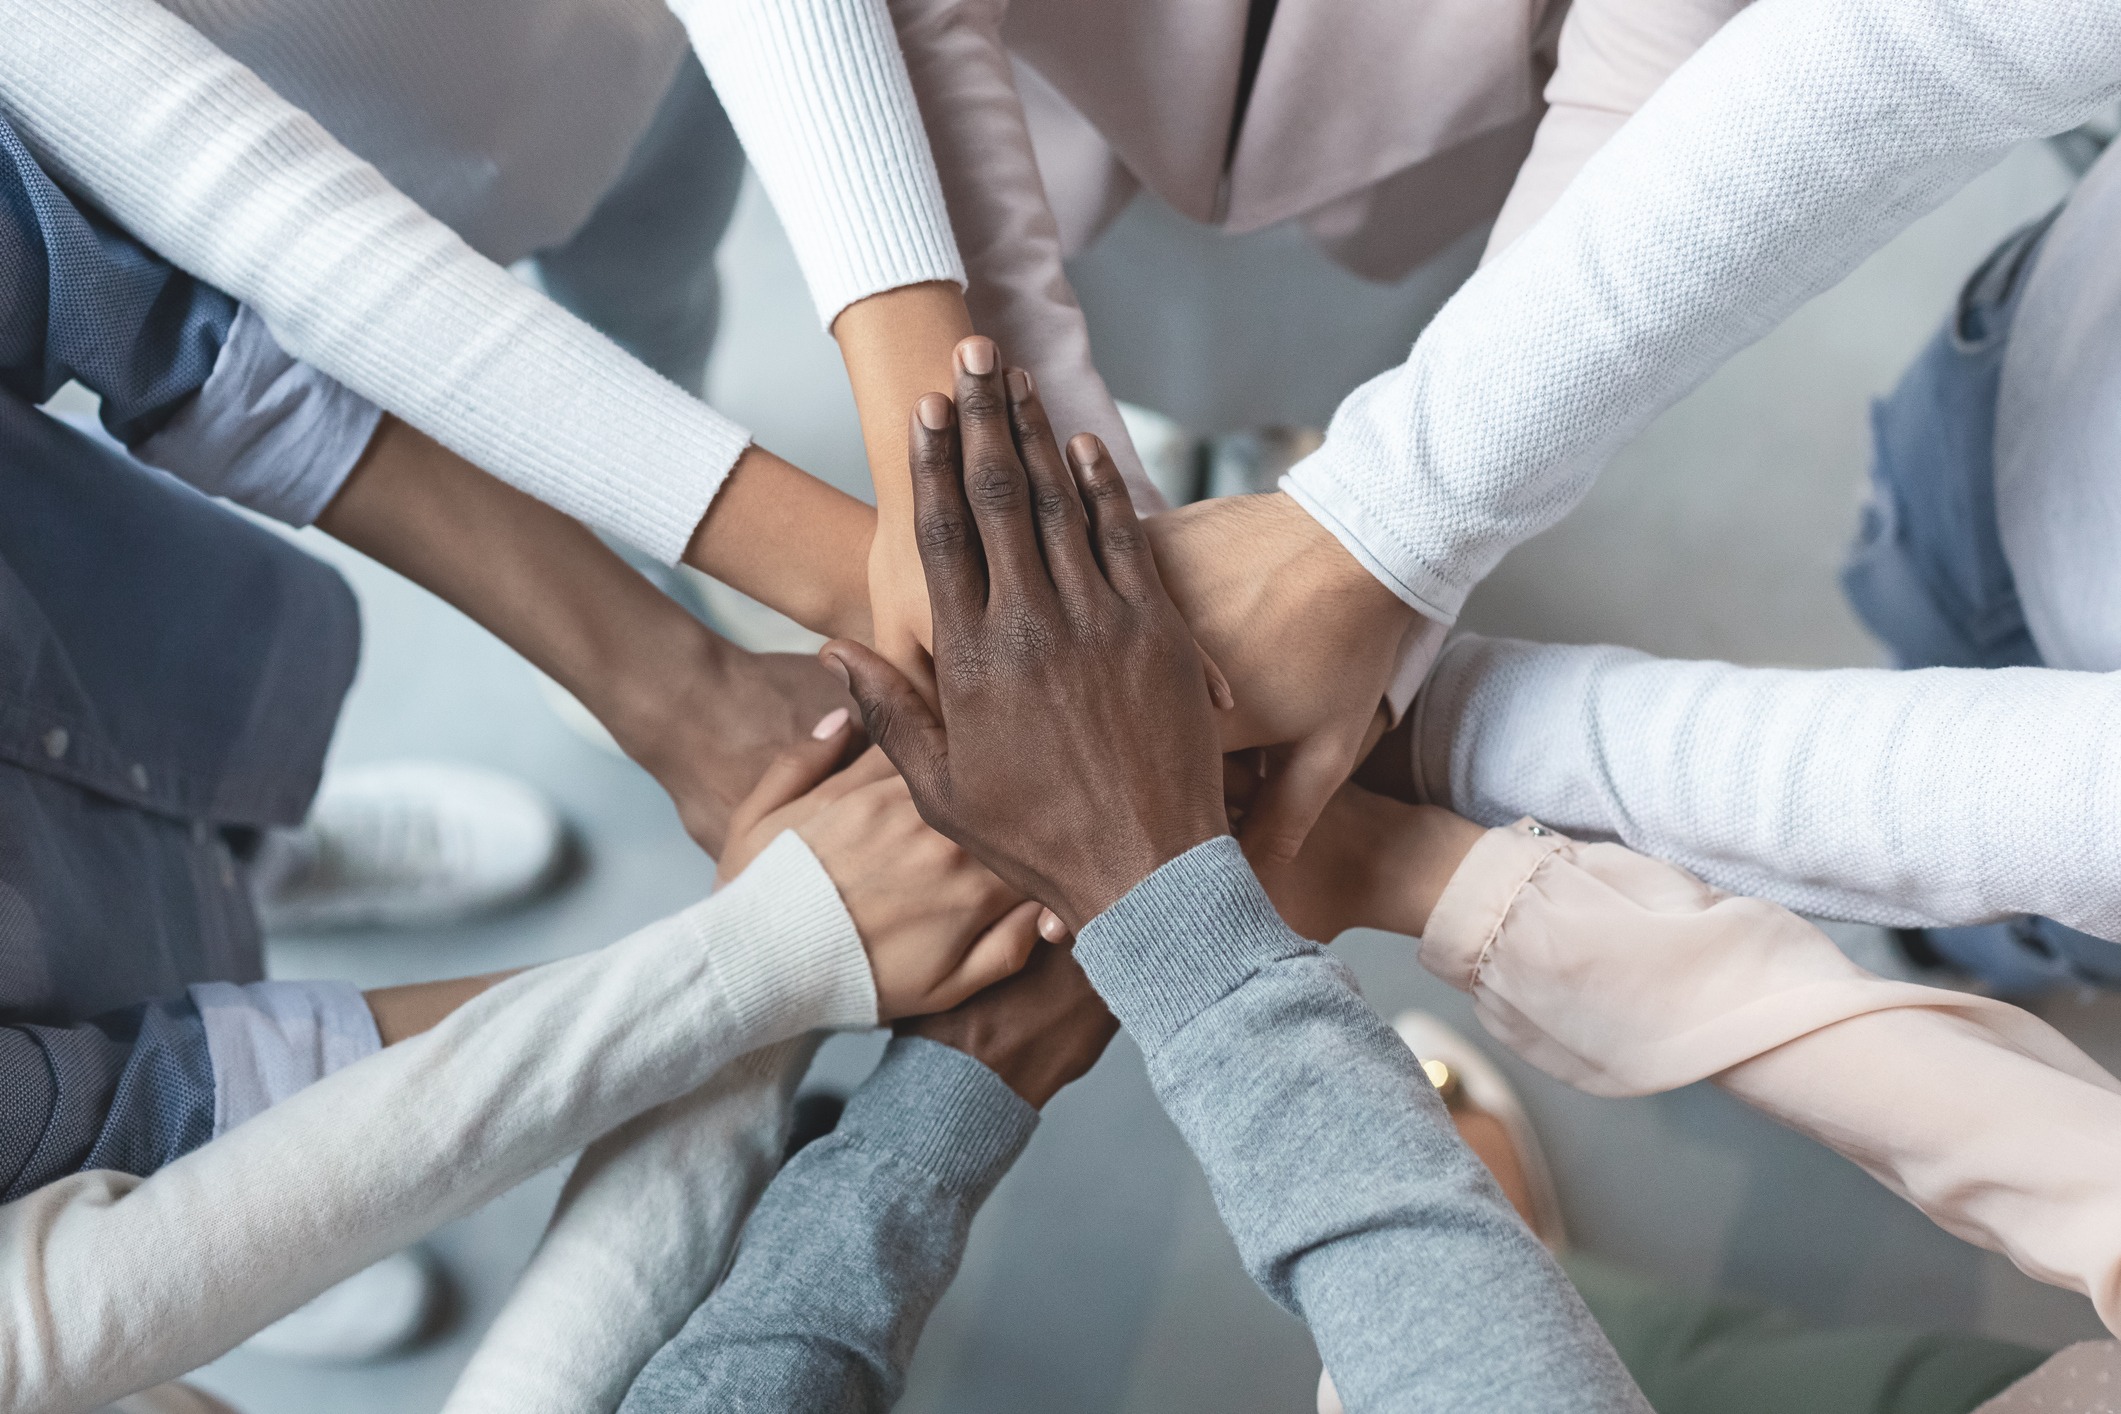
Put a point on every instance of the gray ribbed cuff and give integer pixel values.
(1183, 939)
(939, 1109)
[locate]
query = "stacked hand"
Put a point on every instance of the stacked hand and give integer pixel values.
(1073, 748)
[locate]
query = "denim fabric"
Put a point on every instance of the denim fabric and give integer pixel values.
(1929, 577)
(130, 1090)
(642, 268)
(79, 299)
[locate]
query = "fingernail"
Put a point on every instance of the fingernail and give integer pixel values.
(1050, 927)
(1019, 384)
(829, 725)
(976, 356)
(1085, 449)
(934, 411)
(839, 669)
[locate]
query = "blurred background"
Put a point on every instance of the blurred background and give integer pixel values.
(1099, 1278)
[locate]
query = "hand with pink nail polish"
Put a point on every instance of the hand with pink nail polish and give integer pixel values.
(937, 926)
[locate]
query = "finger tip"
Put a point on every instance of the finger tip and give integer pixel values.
(1085, 450)
(976, 355)
(830, 725)
(934, 411)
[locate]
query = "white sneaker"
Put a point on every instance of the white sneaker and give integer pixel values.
(369, 1315)
(407, 844)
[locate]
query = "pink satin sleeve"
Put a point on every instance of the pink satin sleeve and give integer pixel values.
(1623, 975)
(1612, 56)
(1006, 233)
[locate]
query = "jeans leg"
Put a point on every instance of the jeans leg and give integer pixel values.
(1729, 1355)
(642, 268)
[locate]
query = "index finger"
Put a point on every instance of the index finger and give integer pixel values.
(949, 543)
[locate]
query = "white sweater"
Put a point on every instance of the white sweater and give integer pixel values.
(195, 155)
(1907, 799)
(1791, 146)
(110, 1284)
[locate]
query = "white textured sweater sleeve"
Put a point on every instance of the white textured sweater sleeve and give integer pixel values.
(818, 92)
(1908, 799)
(1791, 146)
(195, 155)
(110, 1283)
(1018, 290)
(643, 1232)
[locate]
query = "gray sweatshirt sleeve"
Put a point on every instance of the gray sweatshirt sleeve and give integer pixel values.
(1337, 1170)
(850, 1247)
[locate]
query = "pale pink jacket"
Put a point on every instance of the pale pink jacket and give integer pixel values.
(1388, 127)
(1623, 975)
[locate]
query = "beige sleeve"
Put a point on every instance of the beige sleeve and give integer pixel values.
(1624, 975)
(1613, 55)
(1006, 232)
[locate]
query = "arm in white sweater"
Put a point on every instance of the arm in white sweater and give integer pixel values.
(1910, 799)
(1792, 145)
(206, 164)
(110, 1284)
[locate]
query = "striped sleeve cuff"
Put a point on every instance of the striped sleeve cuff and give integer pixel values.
(271, 1039)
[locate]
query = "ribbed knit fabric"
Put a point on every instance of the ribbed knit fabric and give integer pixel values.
(641, 1234)
(1907, 799)
(1791, 146)
(821, 87)
(110, 1284)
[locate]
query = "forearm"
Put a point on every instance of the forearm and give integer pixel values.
(1795, 143)
(1624, 975)
(1017, 289)
(897, 346)
(642, 1232)
(401, 1013)
(201, 160)
(851, 1246)
(1797, 786)
(155, 1278)
(791, 542)
(1419, 1284)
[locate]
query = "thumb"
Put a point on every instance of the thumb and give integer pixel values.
(900, 721)
(793, 774)
(1292, 798)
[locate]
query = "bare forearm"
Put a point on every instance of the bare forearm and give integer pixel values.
(897, 346)
(792, 542)
(407, 1011)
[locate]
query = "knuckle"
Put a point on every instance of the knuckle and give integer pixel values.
(980, 399)
(994, 482)
(942, 532)
(1124, 537)
(1053, 503)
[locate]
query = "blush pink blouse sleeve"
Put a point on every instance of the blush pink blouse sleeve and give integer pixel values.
(1613, 54)
(1623, 975)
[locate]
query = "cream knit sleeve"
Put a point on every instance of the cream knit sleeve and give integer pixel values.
(1799, 138)
(194, 154)
(1623, 975)
(818, 92)
(110, 1284)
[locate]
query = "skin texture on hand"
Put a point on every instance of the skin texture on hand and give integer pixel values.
(1307, 637)
(703, 716)
(1040, 1031)
(936, 925)
(1073, 749)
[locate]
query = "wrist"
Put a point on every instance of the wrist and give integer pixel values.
(1120, 870)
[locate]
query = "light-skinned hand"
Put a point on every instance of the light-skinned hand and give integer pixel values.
(936, 925)
(1073, 750)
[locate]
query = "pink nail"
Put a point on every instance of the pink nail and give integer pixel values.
(829, 726)
(1019, 384)
(934, 411)
(976, 356)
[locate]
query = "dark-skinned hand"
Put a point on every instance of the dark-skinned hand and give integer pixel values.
(1075, 749)
(1039, 1031)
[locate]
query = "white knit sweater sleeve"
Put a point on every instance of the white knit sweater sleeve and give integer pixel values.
(642, 1234)
(194, 154)
(1909, 799)
(1792, 145)
(818, 92)
(110, 1284)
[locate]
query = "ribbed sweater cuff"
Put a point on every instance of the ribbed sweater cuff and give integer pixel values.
(1319, 484)
(940, 1110)
(1183, 939)
(783, 946)
(818, 92)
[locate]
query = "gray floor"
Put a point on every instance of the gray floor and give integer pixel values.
(1099, 1278)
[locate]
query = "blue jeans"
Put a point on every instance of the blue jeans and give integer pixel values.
(1928, 575)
